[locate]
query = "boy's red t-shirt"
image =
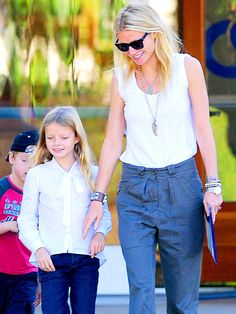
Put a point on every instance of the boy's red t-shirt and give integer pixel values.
(14, 256)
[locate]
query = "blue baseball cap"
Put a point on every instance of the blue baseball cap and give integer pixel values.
(23, 141)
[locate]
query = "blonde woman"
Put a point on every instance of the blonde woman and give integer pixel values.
(56, 198)
(159, 99)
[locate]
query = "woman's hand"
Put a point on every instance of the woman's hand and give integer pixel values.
(97, 244)
(213, 202)
(44, 260)
(94, 215)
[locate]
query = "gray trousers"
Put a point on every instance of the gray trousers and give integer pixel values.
(163, 206)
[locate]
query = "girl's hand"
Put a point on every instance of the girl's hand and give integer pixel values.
(97, 244)
(44, 260)
(214, 202)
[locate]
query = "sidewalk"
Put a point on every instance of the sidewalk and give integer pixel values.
(119, 305)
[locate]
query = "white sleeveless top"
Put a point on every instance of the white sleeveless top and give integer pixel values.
(175, 140)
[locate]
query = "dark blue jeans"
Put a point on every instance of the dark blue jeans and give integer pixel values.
(17, 293)
(75, 276)
(163, 206)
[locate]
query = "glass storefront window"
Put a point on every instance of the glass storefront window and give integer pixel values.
(221, 81)
(56, 51)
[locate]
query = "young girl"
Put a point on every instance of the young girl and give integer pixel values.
(56, 197)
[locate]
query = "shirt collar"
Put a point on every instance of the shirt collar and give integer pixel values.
(73, 168)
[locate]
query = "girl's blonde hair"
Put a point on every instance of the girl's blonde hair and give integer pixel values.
(143, 18)
(69, 117)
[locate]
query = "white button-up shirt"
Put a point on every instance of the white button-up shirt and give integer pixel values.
(53, 208)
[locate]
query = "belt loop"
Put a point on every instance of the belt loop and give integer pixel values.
(171, 169)
(141, 171)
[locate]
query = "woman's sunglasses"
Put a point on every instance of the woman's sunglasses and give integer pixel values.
(136, 44)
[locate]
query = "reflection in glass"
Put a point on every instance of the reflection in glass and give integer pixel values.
(221, 81)
(55, 51)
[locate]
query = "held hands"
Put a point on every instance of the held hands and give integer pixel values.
(44, 260)
(97, 244)
(94, 214)
(214, 202)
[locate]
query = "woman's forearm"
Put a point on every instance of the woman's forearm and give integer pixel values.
(109, 156)
(207, 149)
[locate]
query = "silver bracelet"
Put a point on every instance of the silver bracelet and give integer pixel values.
(212, 179)
(212, 184)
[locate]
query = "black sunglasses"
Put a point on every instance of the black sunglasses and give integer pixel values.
(136, 44)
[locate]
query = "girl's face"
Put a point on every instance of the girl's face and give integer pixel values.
(60, 141)
(138, 56)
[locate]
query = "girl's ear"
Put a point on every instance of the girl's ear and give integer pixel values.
(77, 139)
(76, 148)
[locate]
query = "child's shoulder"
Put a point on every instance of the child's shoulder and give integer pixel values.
(39, 169)
(4, 185)
(3, 181)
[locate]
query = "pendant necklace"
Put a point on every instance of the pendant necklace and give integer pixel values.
(153, 114)
(149, 86)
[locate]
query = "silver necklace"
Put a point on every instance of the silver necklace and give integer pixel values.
(149, 86)
(153, 115)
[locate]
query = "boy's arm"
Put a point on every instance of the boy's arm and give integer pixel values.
(8, 226)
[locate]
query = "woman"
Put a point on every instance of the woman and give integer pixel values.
(159, 99)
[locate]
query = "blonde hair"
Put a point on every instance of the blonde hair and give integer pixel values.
(69, 117)
(143, 18)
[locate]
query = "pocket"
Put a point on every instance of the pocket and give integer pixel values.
(187, 193)
(127, 217)
(127, 233)
(138, 189)
(191, 183)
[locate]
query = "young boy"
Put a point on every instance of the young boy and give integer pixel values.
(18, 277)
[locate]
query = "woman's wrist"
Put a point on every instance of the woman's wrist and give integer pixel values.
(213, 185)
(98, 196)
(212, 179)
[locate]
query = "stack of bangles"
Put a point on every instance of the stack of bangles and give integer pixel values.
(213, 185)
